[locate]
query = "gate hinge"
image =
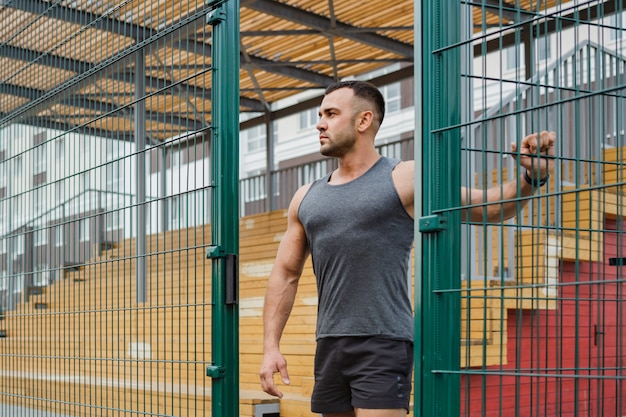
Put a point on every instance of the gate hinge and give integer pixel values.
(433, 223)
(215, 251)
(215, 371)
(215, 16)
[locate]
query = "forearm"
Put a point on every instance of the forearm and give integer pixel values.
(501, 202)
(279, 300)
(514, 197)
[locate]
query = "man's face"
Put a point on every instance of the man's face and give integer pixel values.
(337, 123)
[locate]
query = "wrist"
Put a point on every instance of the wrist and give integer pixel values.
(536, 182)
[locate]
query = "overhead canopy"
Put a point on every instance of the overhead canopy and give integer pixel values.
(84, 49)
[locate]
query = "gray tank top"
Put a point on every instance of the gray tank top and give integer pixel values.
(360, 237)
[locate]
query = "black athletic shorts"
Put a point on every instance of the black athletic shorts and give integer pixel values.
(362, 372)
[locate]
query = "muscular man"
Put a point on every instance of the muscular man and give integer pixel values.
(357, 224)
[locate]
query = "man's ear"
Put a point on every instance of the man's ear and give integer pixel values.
(364, 120)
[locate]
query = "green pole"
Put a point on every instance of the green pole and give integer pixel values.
(224, 251)
(437, 328)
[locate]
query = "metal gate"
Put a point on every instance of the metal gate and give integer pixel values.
(118, 196)
(524, 317)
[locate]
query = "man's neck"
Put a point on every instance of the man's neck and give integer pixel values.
(353, 166)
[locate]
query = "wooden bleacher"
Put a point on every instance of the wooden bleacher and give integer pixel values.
(94, 344)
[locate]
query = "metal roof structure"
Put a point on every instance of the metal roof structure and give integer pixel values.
(87, 49)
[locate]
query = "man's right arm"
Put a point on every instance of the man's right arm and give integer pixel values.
(281, 293)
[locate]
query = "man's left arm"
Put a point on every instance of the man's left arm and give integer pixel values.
(536, 162)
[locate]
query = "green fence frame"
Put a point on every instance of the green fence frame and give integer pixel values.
(437, 331)
(225, 210)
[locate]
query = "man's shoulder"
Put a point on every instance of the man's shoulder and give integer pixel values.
(298, 196)
(405, 168)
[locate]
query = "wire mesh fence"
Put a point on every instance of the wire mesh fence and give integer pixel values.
(105, 131)
(542, 330)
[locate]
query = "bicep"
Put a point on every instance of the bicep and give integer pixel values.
(404, 181)
(293, 248)
(292, 251)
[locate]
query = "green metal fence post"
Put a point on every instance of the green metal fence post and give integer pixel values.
(438, 329)
(224, 211)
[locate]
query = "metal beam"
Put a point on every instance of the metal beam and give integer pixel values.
(48, 60)
(302, 32)
(80, 17)
(324, 25)
(287, 69)
(53, 124)
(101, 106)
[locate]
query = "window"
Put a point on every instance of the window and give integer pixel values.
(18, 166)
(149, 219)
(16, 206)
(308, 119)
(83, 230)
(39, 201)
(59, 192)
(41, 237)
(4, 281)
(3, 173)
(41, 275)
(393, 97)
(254, 138)
(543, 48)
(17, 281)
(40, 160)
(175, 212)
(3, 245)
(60, 149)
(616, 22)
(514, 57)
(58, 236)
(18, 249)
(114, 176)
(112, 220)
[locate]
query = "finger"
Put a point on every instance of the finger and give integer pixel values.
(530, 144)
(514, 150)
(284, 375)
(268, 386)
(547, 143)
(534, 143)
(550, 149)
(544, 140)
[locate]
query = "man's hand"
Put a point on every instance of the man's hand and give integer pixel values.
(533, 149)
(273, 362)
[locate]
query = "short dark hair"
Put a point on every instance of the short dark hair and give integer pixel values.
(364, 90)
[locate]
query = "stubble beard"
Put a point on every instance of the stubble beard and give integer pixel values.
(339, 146)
